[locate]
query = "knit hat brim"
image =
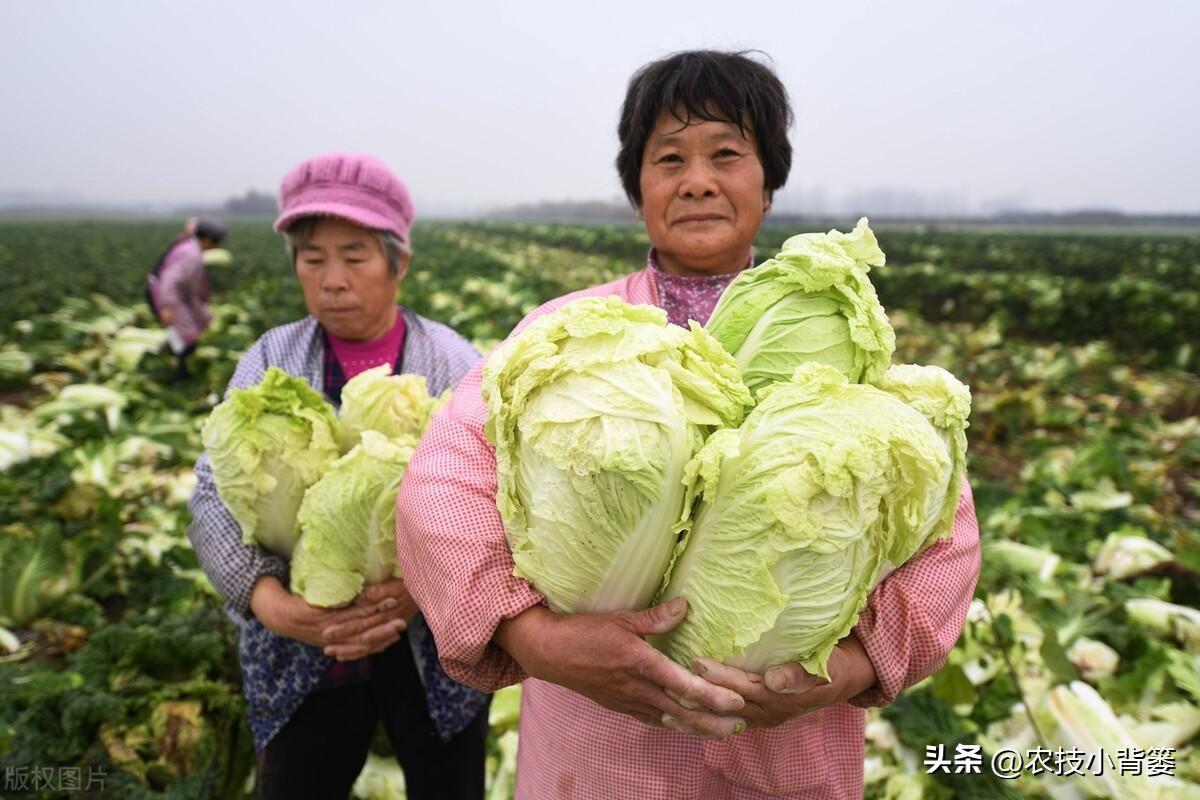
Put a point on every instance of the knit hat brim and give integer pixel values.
(352, 213)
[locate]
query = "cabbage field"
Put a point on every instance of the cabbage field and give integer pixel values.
(1078, 673)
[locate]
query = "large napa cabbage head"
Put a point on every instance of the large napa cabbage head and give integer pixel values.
(377, 400)
(348, 522)
(594, 410)
(267, 445)
(813, 302)
(798, 511)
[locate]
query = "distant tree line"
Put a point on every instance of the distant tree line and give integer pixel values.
(252, 204)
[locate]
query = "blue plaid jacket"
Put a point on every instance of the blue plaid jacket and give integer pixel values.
(278, 672)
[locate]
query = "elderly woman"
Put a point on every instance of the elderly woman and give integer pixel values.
(703, 146)
(318, 680)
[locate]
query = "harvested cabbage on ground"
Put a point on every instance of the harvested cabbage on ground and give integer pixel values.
(348, 522)
(267, 445)
(595, 410)
(799, 511)
(813, 302)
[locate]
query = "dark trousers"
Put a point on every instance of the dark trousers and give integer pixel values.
(323, 747)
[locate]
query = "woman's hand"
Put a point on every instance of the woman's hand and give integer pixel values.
(166, 315)
(788, 691)
(604, 658)
(346, 633)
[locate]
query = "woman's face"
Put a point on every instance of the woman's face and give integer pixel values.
(346, 281)
(703, 196)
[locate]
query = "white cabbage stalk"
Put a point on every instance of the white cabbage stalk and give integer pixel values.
(1171, 725)
(14, 365)
(79, 397)
(130, 344)
(1022, 559)
(1167, 619)
(24, 440)
(1104, 497)
(1093, 659)
(1125, 556)
(1077, 716)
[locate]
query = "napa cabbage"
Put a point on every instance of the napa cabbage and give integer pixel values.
(348, 522)
(394, 405)
(595, 410)
(813, 302)
(267, 445)
(801, 509)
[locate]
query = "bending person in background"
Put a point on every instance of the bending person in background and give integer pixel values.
(178, 289)
(319, 680)
(703, 147)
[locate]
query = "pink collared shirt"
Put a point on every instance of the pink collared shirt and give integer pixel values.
(457, 565)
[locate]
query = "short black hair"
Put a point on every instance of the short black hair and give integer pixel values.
(707, 85)
(212, 230)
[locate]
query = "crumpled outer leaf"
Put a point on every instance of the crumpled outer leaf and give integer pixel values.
(797, 509)
(946, 402)
(348, 522)
(267, 445)
(813, 302)
(377, 400)
(594, 411)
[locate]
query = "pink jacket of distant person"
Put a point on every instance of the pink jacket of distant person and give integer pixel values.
(182, 286)
(457, 564)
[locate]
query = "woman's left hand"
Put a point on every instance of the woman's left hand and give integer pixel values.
(349, 640)
(788, 691)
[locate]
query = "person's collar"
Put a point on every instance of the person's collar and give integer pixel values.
(659, 272)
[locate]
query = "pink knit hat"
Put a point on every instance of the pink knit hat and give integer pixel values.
(358, 188)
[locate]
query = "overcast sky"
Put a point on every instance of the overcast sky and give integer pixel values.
(477, 105)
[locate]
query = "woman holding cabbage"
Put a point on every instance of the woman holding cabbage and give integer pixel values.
(318, 679)
(703, 146)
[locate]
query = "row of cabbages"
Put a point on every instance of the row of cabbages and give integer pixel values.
(771, 467)
(315, 487)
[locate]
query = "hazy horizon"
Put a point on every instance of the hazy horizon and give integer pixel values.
(951, 107)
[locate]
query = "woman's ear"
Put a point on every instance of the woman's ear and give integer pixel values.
(403, 271)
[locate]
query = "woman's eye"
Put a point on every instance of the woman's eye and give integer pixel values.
(671, 158)
(726, 152)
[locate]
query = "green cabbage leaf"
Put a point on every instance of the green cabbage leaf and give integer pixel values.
(813, 302)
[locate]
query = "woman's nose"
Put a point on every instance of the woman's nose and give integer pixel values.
(699, 180)
(333, 278)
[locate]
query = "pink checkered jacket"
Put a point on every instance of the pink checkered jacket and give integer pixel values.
(457, 564)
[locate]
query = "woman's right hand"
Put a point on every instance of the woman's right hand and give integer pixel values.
(604, 658)
(376, 627)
